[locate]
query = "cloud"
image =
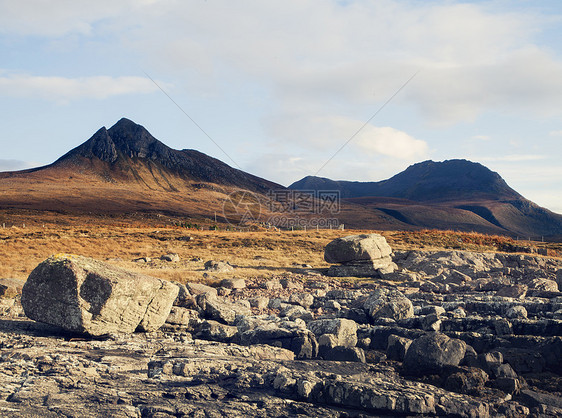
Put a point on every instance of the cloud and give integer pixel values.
(14, 165)
(57, 18)
(331, 132)
(555, 133)
(516, 158)
(473, 57)
(482, 137)
(61, 89)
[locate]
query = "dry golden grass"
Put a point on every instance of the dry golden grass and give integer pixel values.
(262, 253)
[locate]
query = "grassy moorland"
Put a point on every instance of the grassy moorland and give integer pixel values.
(254, 253)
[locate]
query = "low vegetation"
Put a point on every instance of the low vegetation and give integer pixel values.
(23, 245)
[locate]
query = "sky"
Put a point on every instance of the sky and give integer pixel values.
(349, 90)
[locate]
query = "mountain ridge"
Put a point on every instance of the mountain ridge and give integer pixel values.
(127, 142)
(453, 194)
(424, 181)
(124, 169)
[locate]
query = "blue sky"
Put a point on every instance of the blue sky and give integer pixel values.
(282, 85)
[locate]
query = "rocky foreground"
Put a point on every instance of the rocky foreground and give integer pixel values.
(446, 333)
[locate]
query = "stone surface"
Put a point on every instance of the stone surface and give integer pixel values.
(369, 268)
(84, 295)
(193, 365)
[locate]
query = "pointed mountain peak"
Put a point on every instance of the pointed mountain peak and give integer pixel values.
(133, 139)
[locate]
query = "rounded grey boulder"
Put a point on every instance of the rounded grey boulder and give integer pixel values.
(362, 247)
(80, 294)
(430, 353)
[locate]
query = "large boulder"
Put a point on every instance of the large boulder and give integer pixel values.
(364, 255)
(84, 295)
(431, 353)
(362, 247)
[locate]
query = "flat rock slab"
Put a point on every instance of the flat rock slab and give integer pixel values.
(84, 295)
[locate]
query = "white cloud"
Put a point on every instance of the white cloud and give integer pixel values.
(482, 137)
(555, 133)
(330, 132)
(61, 89)
(516, 158)
(472, 57)
(55, 18)
(391, 142)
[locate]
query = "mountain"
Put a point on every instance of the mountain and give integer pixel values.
(453, 194)
(424, 182)
(126, 144)
(125, 169)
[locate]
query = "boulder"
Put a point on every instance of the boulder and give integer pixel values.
(218, 266)
(516, 312)
(345, 330)
(182, 316)
(362, 247)
(172, 258)
(303, 299)
(397, 347)
(301, 342)
(223, 311)
(201, 289)
(215, 331)
(431, 353)
(339, 353)
(559, 279)
(543, 284)
(233, 283)
(84, 295)
(515, 291)
(388, 303)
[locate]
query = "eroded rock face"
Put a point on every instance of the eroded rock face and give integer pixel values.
(84, 295)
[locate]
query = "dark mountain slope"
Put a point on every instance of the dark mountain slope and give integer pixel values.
(425, 181)
(125, 169)
(454, 194)
(127, 144)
